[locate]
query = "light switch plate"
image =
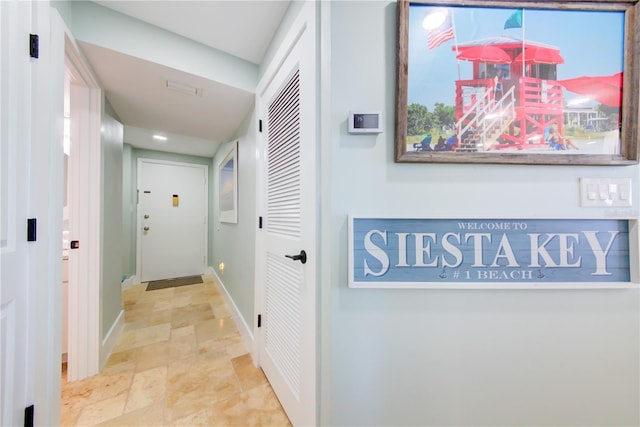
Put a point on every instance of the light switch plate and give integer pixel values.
(605, 192)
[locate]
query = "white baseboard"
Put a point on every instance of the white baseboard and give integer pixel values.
(245, 330)
(111, 339)
(130, 281)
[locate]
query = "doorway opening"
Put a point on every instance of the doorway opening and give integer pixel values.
(172, 219)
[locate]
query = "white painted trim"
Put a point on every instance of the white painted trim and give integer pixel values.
(77, 58)
(139, 212)
(242, 326)
(325, 219)
(85, 310)
(111, 339)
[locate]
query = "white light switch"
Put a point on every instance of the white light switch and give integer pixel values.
(612, 192)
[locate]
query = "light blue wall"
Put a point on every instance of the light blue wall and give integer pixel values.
(64, 8)
(112, 244)
(234, 244)
(456, 357)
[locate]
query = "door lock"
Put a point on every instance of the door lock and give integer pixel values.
(146, 228)
(146, 217)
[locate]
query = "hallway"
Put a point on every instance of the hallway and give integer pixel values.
(179, 361)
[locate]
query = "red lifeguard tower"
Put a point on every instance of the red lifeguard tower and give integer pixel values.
(512, 98)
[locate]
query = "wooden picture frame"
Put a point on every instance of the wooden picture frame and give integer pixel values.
(511, 105)
(228, 186)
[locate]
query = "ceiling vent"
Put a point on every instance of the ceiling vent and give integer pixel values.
(183, 88)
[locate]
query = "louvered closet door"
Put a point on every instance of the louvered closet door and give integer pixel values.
(288, 335)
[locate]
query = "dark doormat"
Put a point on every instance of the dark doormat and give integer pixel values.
(173, 283)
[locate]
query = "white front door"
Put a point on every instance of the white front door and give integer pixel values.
(287, 351)
(15, 116)
(172, 219)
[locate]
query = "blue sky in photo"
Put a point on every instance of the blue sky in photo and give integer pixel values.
(591, 43)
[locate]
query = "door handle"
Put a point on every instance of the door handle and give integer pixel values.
(146, 228)
(302, 257)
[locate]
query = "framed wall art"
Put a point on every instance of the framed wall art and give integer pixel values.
(517, 82)
(228, 185)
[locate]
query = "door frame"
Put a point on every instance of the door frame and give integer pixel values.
(305, 21)
(85, 309)
(139, 163)
(45, 195)
(18, 346)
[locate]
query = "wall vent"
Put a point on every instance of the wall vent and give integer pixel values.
(183, 88)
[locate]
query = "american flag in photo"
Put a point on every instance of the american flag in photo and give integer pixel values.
(441, 34)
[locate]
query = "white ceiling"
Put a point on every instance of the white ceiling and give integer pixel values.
(136, 88)
(137, 92)
(242, 28)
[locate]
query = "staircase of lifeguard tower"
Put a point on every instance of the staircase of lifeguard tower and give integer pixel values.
(485, 121)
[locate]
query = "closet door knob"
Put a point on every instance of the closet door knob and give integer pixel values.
(302, 257)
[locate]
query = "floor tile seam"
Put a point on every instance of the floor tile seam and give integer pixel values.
(116, 395)
(95, 403)
(236, 397)
(165, 402)
(83, 402)
(213, 402)
(240, 382)
(138, 329)
(167, 420)
(162, 401)
(258, 370)
(152, 326)
(129, 389)
(139, 347)
(220, 345)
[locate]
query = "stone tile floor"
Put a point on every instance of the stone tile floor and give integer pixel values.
(180, 361)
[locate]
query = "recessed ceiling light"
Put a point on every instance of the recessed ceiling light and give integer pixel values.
(182, 87)
(160, 137)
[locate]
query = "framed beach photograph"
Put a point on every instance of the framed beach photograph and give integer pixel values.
(517, 82)
(228, 186)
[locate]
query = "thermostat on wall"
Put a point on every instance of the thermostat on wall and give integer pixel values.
(365, 122)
